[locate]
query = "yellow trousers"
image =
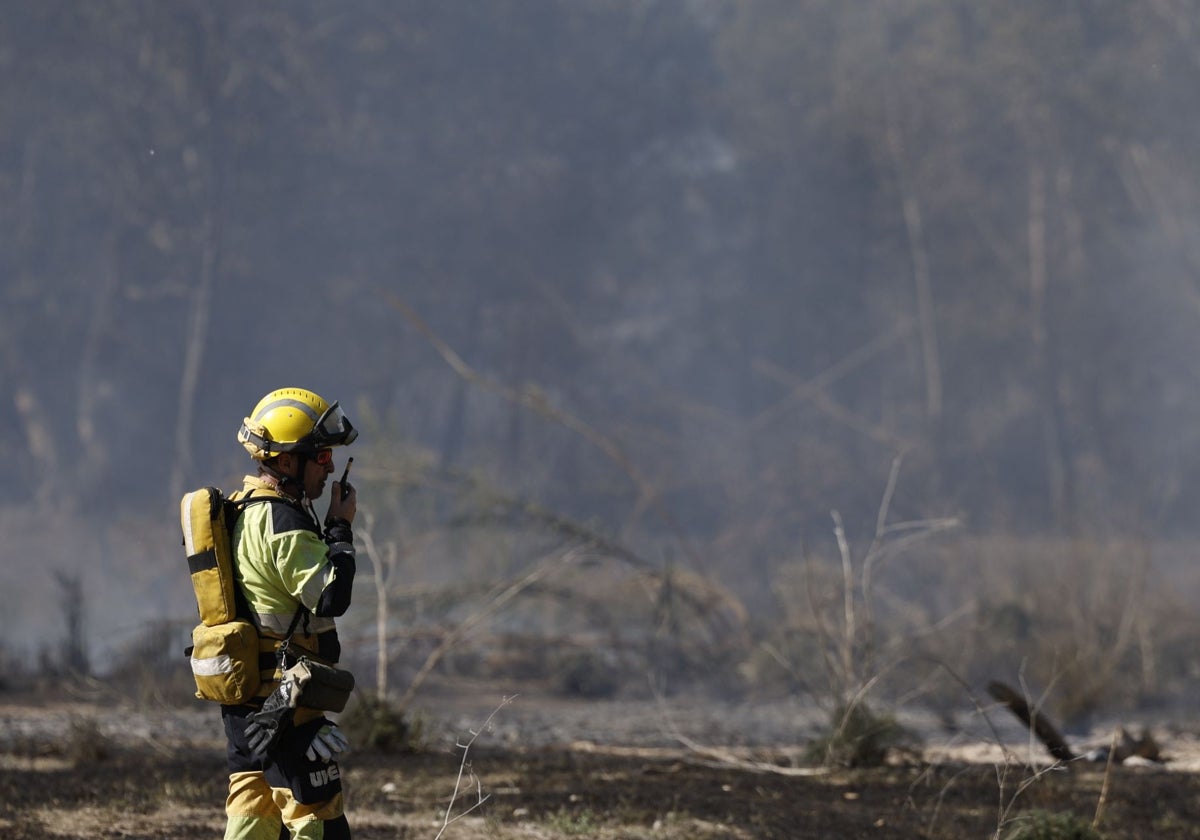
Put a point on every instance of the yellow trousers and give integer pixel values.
(256, 811)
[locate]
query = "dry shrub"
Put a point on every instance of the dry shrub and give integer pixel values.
(592, 674)
(585, 665)
(593, 629)
(1087, 626)
(858, 737)
(375, 723)
(807, 644)
(1043, 825)
(84, 744)
(151, 670)
(696, 630)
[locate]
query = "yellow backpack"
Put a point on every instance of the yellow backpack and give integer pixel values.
(225, 650)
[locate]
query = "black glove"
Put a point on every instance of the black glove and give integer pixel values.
(266, 726)
(338, 530)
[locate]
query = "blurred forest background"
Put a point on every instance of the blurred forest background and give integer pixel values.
(774, 345)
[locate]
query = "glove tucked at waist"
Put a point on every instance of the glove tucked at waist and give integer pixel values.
(328, 743)
(266, 726)
(308, 684)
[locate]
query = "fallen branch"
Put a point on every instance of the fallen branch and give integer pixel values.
(721, 758)
(707, 756)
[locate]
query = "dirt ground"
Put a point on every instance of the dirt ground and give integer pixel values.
(79, 771)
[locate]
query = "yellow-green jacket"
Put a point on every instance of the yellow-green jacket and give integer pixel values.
(282, 562)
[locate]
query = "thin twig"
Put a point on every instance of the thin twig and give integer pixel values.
(1100, 803)
(818, 613)
(880, 529)
(381, 573)
(849, 628)
(463, 767)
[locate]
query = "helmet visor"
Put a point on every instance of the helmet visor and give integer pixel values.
(334, 428)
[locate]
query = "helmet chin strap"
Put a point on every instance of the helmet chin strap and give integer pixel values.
(286, 482)
(283, 481)
(302, 463)
(302, 497)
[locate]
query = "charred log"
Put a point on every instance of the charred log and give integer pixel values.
(1034, 719)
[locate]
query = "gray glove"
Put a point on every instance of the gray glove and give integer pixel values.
(328, 743)
(267, 725)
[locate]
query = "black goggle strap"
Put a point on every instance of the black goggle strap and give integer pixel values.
(274, 447)
(269, 447)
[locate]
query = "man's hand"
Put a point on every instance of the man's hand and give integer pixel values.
(342, 508)
(328, 743)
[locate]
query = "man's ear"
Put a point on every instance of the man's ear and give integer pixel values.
(286, 463)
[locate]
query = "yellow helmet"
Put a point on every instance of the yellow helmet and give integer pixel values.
(294, 420)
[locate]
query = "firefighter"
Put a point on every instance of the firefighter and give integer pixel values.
(295, 573)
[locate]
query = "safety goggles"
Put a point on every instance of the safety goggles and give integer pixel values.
(333, 428)
(323, 457)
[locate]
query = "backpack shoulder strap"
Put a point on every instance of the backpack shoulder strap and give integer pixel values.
(235, 503)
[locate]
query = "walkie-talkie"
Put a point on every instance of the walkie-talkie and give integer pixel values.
(345, 474)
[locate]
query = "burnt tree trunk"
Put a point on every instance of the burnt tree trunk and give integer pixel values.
(1041, 727)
